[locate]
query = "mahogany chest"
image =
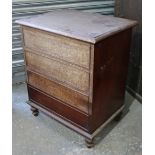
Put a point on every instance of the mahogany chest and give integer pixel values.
(76, 65)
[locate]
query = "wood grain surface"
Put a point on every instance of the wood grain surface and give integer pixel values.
(59, 71)
(60, 92)
(77, 66)
(58, 108)
(71, 50)
(111, 58)
(89, 27)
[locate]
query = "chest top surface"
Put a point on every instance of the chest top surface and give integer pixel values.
(77, 24)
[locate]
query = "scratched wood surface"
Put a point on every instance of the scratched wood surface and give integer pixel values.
(71, 50)
(58, 91)
(57, 70)
(76, 24)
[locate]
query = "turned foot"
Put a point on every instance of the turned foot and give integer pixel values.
(118, 117)
(89, 143)
(35, 111)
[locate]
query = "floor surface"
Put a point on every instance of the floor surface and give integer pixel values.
(44, 136)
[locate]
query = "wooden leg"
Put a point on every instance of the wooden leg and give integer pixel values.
(35, 111)
(89, 143)
(119, 116)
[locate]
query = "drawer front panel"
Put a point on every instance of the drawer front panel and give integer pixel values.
(59, 71)
(68, 49)
(62, 93)
(57, 107)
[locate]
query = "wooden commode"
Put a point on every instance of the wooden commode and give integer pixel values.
(76, 65)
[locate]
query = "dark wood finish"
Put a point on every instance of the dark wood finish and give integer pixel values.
(110, 71)
(77, 75)
(111, 57)
(109, 77)
(58, 107)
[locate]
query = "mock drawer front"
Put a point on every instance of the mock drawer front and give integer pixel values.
(59, 71)
(61, 47)
(58, 91)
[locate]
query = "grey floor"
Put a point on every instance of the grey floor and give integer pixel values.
(43, 136)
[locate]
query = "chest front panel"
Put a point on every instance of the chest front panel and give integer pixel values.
(52, 45)
(59, 66)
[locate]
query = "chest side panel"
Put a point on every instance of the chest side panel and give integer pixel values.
(111, 57)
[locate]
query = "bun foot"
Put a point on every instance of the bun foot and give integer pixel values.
(35, 111)
(89, 143)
